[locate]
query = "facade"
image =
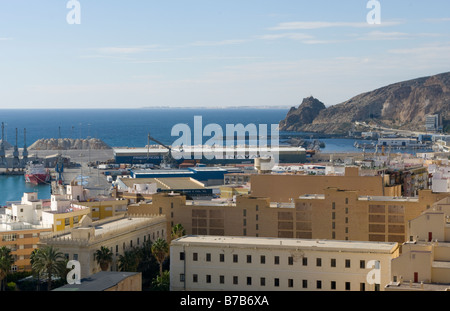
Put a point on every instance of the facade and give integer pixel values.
(204, 263)
(285, 187)
(347, 215)
(118, 233)
(335, 215)
(21, 238)
(425, 260)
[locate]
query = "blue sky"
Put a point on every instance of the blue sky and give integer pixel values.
(131, 54)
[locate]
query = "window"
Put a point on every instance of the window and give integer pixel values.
(362, 287)
(75, 256)
(262, 281)
(249, 280)
(263, 259)
(249, 258)
(181, 277)
(181, 255)
(276, 282)
(195, 256)
(208, 257)
(290, 260)
(222, 279)
(235, 258)
(194, 278)
(333, 262)
(362, 264)
(305, 283)
(208, 278)
(67, 221)
(347, 285)
(305, 261)
(333, 284)
(290, 282)
(319, 262)
(333, 205)
(222, 257)
(319, 284)
(347, 263)
(235, 280)
(277, 260)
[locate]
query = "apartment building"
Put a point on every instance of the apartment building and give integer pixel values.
(425, 260)
(334, 215)
(204, 263)
(21, 238)
(347, 215)
(119, 233)
(286, 187)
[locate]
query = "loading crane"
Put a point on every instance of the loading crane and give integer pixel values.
(168, 159)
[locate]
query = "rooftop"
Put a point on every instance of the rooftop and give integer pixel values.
(100, 281)
(165, 183)
(383, 247)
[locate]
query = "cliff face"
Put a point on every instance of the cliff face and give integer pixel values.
(306, 113)
(402, 105)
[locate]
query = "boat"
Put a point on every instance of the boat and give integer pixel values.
(36, 173)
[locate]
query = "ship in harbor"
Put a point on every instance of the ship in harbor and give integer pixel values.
(36, 173)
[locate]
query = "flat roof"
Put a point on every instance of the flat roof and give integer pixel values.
(337, 245)
(98, 282)
(166, 183)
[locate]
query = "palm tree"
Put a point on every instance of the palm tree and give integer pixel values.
(129, 261)
(160, 249)
(177, 231)
(104, 257)
(49, 261)
(6, 261)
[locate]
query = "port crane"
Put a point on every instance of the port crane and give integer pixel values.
(168, 159)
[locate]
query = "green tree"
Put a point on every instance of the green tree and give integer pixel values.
(177, 231)
(6, 261)
(129, 261)
(148, 265)
(160, 249)
(50, 262)
(104, 257)
(162, 283)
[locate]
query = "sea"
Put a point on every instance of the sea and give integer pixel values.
(127, 128)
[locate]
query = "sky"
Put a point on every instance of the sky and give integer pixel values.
(215, 53)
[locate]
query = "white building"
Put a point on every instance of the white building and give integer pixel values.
(118, 233)
(202, 263)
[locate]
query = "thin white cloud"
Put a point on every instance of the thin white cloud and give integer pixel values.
(292, 36)
(218, 43)
(321, 24)
(126, 50)
(380, 35)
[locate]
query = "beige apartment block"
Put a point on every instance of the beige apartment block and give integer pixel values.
(212, 263)
(348, 215)
(119, 233)
(425, 260)
(334, 215)
(286, 187)
(21, 238)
